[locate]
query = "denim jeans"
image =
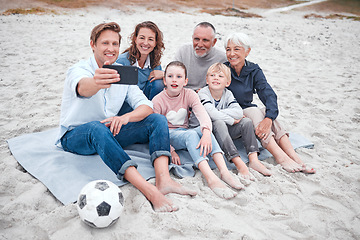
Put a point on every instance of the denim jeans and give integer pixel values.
(150, 90)
(189, 138)
(94, 137)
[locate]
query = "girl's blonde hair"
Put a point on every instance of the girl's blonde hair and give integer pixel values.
(220, 67)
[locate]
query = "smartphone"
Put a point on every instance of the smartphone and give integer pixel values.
(128, 74)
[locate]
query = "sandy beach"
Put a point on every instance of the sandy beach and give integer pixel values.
(313, 66)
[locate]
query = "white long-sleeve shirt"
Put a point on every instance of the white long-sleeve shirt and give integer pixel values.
(77, 110)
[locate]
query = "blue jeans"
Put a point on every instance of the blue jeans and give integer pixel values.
(94, 137)
(151, 89)
(189, 138)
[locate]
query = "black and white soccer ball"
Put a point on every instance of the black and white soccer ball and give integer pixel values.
(100, 203)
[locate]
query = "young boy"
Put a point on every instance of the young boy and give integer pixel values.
(228, 121)
(174, 103)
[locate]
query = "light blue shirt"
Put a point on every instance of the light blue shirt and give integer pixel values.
(77, 110)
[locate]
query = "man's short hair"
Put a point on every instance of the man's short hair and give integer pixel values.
(97, 30)
(206, 24)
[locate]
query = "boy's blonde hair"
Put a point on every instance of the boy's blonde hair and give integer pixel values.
(220, 67)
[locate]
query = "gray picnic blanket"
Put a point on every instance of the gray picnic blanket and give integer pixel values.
(64, 173)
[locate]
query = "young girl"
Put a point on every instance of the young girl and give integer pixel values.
(174, 103)
(228, 121)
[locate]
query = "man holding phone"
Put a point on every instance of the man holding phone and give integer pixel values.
(89, 125)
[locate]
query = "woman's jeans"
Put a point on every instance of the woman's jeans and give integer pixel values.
(151, 89)
(94, 137)
(189, 138)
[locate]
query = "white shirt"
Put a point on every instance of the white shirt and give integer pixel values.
(146, 65)
(77, 110)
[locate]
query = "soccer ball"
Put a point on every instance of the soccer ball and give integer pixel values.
(100, 203)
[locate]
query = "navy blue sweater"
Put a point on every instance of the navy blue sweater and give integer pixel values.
(252, 81)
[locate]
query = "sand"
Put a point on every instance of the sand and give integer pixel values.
(313, 65)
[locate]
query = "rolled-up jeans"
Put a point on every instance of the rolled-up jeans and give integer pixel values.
(94, 137)
(189, 138)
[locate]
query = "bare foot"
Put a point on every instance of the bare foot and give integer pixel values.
(171, 186)
(304, 168)
(307, 170)
(246, 179)
(243, 170)
(290, 166)
(161, 204)
(225, 193)
(233, 182)
(221, 190)
(258, 166)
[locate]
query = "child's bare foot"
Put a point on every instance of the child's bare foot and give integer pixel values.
(258, 166)
(221, 190)
(171, 186)
(233, 182)
(225, 193)
(243, 171)
(245, 174)
(161, 204)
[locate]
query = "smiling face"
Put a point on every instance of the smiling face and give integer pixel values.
(175, 80)
(236, 54)
(145, 41)
(203, 40)
(217, 80)
(106, 47)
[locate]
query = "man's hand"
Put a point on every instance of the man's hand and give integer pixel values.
(103, 78)
(205, 143)
(115, 123)
(264, 128)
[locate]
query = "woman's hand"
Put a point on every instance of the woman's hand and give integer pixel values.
(115, 123)
(205, 143)
(263, 129)
(156, 74)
